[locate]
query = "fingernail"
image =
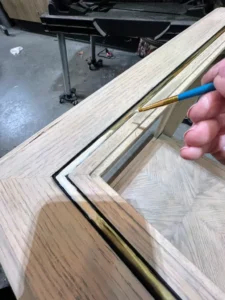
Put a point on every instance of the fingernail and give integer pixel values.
(185, 147)
(188, 113)
(193, 127)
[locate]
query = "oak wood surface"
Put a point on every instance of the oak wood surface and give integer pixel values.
(109, 151)
(50, 251)
(97, 190)
(177, 271)
(47, 247)
(119, 139)
(183, 200)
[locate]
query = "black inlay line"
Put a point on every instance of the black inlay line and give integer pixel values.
(119, 120)
(123, 258)
(91, 143)
(128, 112)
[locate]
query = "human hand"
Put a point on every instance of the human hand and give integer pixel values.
(207, 135)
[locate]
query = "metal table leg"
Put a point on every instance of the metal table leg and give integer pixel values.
(93, 63)
(69, 94)
(92, 44)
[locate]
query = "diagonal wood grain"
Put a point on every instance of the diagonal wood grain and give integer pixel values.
(183, 200)
(50, 251)
(181, 275)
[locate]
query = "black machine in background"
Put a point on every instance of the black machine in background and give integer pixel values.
(158, 21)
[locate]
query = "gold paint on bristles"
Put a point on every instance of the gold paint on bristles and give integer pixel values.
(179, 69)
(159, 103)
(116, 240)
(173, 74)
(137, 263)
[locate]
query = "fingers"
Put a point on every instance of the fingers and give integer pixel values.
(202, 133)
(217, 75)
(191, 153)
(219, 82)
(208, 115)
(209, 106)
(212, 73)
(221, 120)
(219, 148)
(205, 137)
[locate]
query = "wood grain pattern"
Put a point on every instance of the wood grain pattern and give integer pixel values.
(98, 192)
(181, 199)
(47, 248)
(137, 124)
(26, 10)
(182, 276)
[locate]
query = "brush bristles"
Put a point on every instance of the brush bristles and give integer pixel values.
(159, 103)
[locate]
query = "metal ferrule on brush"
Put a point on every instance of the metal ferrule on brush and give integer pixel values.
(159, 103)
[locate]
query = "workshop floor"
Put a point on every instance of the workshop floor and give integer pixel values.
(31, 82)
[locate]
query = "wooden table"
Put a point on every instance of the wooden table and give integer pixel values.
(95, 207)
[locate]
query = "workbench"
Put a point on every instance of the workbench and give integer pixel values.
(95, 206)
(158, 21)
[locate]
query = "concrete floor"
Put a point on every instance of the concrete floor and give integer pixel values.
(32, 82)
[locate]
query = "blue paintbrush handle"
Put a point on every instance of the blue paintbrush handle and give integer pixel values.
(200, 90)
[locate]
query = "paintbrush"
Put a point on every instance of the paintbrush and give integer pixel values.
(200, 90)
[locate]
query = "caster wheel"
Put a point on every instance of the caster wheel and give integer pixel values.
(70, 98)
(75, 102)
(61, 99)
(95, 65)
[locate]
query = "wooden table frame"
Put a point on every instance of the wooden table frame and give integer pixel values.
(79, 150)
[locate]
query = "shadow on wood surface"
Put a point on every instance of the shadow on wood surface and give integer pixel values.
(69, 260)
